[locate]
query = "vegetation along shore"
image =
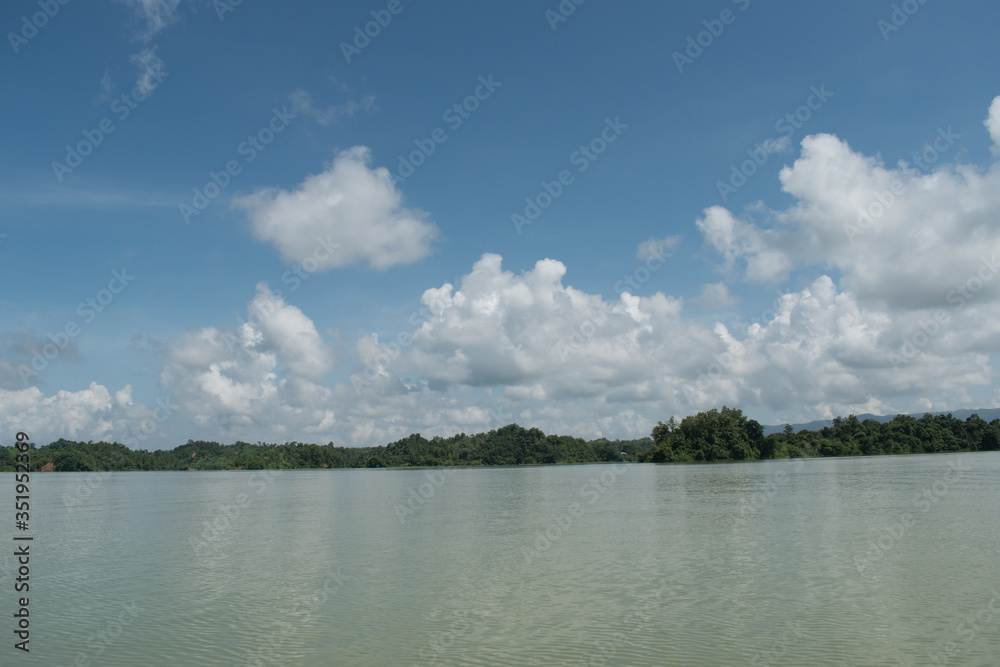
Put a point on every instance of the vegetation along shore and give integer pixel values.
(713, 435)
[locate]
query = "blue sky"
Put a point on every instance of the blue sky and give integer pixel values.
(764, 295)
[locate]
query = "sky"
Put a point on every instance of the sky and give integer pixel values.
(349, 222)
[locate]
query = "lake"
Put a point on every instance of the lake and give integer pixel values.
(853, 561)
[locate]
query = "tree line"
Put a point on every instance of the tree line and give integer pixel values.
(727, 435)
(713, 435)
(510, 445)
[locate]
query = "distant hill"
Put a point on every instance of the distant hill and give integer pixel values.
(989, 414)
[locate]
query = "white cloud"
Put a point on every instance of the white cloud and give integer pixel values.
(878, 324)
(345, 215)
(736, 239)
(89, 414)
(149, 66)
(123, 397)
(654, 248)
(107, 88)
(537, 338)
(302, 103)
(567, 361)
(153, 16)
(899, 236)
(716, 295)
(231, 383)
(503, 347)
(293, 335)
(827, 353)
(992, 124)
(780, 145)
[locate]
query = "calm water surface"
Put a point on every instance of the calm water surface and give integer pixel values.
(862, 561)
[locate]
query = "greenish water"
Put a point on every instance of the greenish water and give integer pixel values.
(862, 561)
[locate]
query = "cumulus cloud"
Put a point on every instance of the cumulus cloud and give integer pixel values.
(908, 324)
(904, 235)
(292, 335)
(346, 215)
(88, 414)
(500, 329)
(992, 124)
(760, 249)
(542, 341)
(500, 347)
(895, 311)
(257, 381)
(568, 361)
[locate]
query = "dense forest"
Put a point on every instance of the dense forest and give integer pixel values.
(714, 435)
(510, 445)
(727, 435)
